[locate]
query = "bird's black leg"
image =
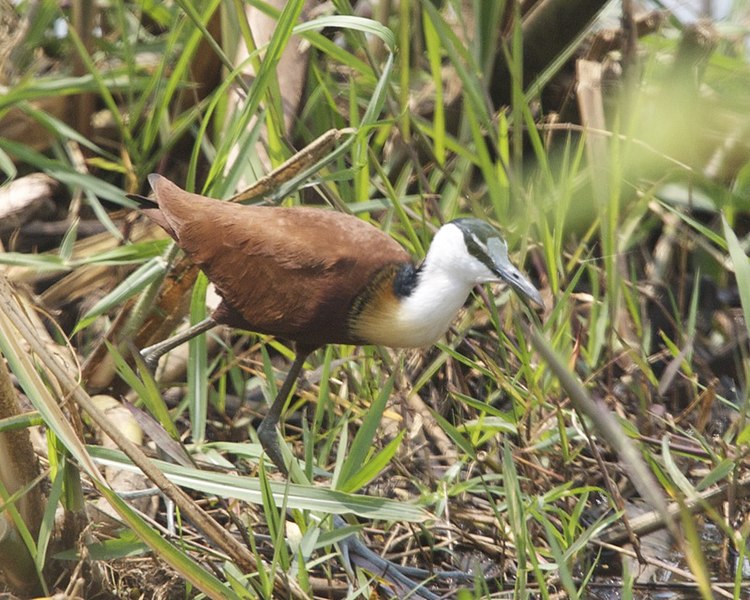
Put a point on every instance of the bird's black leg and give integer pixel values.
(352, 548)
(267, 434)
(409, 581)
(152, 354)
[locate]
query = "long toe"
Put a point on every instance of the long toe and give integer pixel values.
(408, 580)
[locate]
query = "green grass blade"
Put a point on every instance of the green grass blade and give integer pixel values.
(137, 281)
(197, 367)
(145, 388)
(362, 443)
(354, 23)
(299, 497)
(741, 270)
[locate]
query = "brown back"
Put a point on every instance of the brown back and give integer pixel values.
(290, 272)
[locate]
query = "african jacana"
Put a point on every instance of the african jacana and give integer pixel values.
(316, 277)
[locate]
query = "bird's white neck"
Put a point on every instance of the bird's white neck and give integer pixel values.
(424, 301)
(443, 283)
(425, 314)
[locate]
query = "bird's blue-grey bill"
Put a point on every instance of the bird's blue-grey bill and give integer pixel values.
(522, 285)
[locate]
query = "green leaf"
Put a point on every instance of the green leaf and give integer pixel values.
(743, 439)
(379, 94)
(40, 262)
(466, 68)
(138, 280)
(145, 388)
(351, 22)
(197, 367)
(675, 472)
(124, 546)
(131, 253)
(453, 432)
(7, 166)
(29, 419)
(374, 465)
(66, 174)
(276, 522)
(741, 269)
(48, 522)
(299, 497)
(363, 440)
(720, 472)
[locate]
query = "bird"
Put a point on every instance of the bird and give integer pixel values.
(315, 276)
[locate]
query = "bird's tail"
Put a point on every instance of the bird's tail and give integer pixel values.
(143, 201)
(150, 208)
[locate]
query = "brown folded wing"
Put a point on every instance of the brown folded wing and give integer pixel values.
(290, 272)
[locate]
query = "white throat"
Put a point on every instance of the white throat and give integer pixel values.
(444, 282)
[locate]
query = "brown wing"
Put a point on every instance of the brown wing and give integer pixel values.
(291, 272)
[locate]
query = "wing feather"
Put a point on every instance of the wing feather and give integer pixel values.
(291, 272)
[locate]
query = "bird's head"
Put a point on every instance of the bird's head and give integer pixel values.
(477, 252)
